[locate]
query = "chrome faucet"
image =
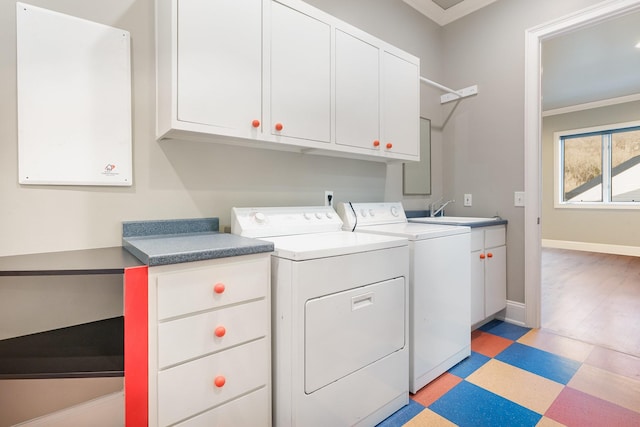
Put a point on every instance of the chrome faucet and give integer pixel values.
(434, 210)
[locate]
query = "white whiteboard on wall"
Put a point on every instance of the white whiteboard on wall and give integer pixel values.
(74, 100)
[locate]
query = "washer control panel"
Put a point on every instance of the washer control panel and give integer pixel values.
(284, 221)
(356, 214)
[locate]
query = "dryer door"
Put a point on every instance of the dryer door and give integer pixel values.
(349, 330)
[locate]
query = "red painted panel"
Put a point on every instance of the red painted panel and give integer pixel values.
(136, 347)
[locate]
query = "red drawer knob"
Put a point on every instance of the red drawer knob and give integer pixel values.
(255, 123)
(218, 288)
(376, 143)
(482, 256)
(489, 255)
(220, 331)
(389, 146)
(279, 127)
(219, 381)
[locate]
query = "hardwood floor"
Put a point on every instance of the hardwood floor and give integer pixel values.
(592, 297)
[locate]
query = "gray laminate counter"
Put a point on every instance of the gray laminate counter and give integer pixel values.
(473, 222)
(177, 241)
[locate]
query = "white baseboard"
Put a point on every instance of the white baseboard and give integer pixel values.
(592, 247)
(515, 313)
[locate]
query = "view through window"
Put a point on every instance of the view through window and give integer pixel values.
(601, 167)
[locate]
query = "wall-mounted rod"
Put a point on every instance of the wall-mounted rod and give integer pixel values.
(439, 86)
(451, 94)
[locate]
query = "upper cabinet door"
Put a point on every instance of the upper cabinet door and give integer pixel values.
(219, 64)
(357, 92)
(400, 105)
(300, 54)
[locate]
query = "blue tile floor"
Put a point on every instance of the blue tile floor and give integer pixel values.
(516, 376)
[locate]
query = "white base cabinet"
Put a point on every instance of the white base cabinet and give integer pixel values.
(210, 342)
(488, 272)
(282, 74)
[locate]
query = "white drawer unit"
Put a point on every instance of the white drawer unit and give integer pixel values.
(488, 272)
(210, 342)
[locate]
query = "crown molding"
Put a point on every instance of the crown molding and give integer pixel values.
(443, 17)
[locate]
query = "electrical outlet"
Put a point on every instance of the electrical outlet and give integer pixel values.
(518, 198)
(328, 198)
(467, 200)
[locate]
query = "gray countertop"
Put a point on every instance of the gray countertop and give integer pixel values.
(176, 241)
(473, 221)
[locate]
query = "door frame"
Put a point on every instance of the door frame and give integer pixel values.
(533, 130)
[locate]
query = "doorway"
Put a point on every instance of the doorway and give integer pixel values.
(533, 120)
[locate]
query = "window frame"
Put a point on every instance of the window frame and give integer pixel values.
(558, 177)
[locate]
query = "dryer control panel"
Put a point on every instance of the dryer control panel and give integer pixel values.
(284, 221)
(355, 214)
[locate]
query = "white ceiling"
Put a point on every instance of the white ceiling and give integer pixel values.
(593, 64)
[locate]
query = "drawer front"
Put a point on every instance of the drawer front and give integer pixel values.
(494, 236)
(200, 289)
(194, 336)
(189, 389)
(252, 410)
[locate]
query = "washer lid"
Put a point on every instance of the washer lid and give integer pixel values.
(415, 231)
(303, 247)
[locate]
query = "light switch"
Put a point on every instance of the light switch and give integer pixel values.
(467, 200)
(518, 198)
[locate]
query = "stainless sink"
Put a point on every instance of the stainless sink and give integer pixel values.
(453, 219)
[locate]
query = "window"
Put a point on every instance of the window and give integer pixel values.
(598, 167)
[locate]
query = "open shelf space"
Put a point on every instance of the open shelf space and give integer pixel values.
(94, 349)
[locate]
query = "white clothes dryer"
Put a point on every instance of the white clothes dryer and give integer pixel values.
(339, 317)
(439, 285)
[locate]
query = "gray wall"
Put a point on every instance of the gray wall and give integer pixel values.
(597, 226)
(477, 143)
(188, 179)
(483, 141)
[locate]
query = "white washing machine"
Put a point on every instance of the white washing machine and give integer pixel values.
(439, 285)
(340, 317)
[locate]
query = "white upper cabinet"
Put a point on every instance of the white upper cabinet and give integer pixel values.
(400, 103)
(212, 57)
(283, 74)
(357, 92)
(220, 58)
(300, 75)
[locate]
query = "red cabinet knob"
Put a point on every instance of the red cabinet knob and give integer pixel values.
(279, 127)
(489, 255)
(482, 256)
(220, 331)
(218, 288)
(389, 146)
(219, 381)
(376, 143)
(255, 123)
